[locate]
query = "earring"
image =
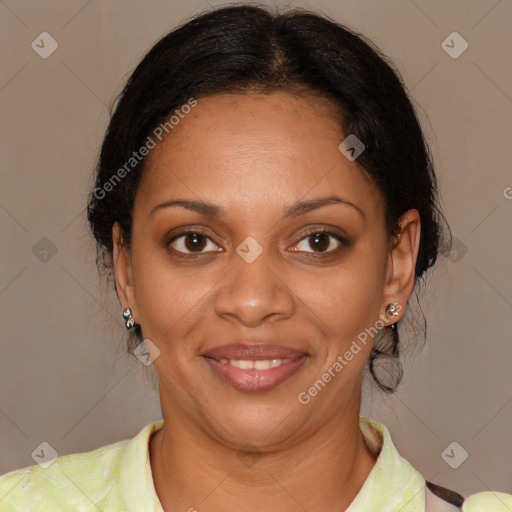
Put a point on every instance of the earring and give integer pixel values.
(127, 315)
(392, 310)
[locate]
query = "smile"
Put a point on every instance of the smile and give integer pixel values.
(255, 375)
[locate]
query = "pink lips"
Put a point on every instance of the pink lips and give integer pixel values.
(254, 379)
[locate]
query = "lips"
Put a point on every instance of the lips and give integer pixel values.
(256, 367)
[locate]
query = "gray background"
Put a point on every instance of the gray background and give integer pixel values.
(64, 377)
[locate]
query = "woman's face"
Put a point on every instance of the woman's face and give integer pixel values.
(256, 171)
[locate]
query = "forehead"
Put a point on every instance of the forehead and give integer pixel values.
(247, 149)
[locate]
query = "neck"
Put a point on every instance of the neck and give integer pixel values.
(323, 472)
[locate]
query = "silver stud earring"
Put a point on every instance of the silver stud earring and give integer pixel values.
(392, 310)
(129, 320)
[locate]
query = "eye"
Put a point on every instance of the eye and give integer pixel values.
(320, 241)
(191, 242)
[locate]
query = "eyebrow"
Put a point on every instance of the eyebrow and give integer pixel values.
(298, 208)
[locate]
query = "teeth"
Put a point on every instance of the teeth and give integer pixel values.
(244, 364)
(263, 364)
(260, 364)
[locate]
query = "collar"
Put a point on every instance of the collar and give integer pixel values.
(393, 484)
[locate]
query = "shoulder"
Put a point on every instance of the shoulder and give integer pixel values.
(71, 482)
(391, 466)
(441, 499)
(99, 479)
(488, 501)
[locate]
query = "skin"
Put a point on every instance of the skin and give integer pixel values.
(253, 155)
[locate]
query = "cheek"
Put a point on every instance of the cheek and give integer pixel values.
(168, 298)
(348, 300)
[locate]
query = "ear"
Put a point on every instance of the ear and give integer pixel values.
(122, 263)
(401, 265)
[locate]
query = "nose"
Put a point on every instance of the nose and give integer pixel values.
(254, 293)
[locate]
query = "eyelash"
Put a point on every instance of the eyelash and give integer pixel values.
(343, 241)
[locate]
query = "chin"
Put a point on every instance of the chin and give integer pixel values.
(260, 425)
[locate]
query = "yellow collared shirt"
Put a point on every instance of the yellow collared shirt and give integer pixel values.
(117, 478)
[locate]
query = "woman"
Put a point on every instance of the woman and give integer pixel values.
(267, 204)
